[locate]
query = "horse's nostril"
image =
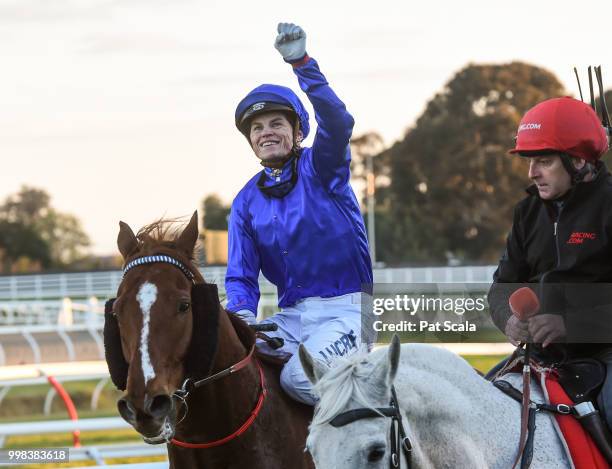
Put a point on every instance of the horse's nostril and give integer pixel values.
(126, 410)
(159, 406)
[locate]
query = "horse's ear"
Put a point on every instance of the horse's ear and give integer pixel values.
(393, 354)
(187, 239)
(386, 366)
(313, 368)
(126, 240)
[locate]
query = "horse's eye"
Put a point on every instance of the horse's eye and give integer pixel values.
(184, 306)
(376, 453)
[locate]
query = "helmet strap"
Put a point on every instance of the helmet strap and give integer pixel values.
(577, 175)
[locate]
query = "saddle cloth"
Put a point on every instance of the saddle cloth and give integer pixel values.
(579, 447)
(583, 451)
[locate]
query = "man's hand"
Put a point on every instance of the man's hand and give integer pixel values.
(547, 328)
(516, 330)
(291, 42)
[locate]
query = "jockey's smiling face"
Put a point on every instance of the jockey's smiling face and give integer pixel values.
(550, 176)
(271, 135)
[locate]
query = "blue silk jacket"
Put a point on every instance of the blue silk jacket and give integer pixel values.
(311, 242)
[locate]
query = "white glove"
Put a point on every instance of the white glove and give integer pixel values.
(247, 316)
(291, 42)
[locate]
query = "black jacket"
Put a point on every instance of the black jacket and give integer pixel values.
(570, 245)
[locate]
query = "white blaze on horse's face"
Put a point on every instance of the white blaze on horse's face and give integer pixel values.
(147, 294)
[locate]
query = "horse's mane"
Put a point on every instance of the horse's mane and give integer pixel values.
(243, 331)
(162, 233)
(346, 380)
(350, 378)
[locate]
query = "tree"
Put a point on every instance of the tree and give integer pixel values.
(18, 241)
(26, 207)
(65, 236)
(214, 213)
(453, 186)
(370, 175)
(30, 227)
(364, 146)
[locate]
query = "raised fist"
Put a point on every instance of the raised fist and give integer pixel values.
(291, 42)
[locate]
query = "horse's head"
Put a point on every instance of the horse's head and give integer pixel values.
(358, 382)
(161, 328)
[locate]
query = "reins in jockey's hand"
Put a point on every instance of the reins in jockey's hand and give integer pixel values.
(398, 437)
(274, 342)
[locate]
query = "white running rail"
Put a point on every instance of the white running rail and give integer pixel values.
(82, 285)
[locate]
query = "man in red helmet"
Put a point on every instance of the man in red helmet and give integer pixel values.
(561, 234)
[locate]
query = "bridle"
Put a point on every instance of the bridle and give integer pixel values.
(398, 435)
(188, 384)
(160, 258)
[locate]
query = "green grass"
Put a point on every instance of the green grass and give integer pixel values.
(480, 336)
(49, 440)
(483, 363)
(25, 403)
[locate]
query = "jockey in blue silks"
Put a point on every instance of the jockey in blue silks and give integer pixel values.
(298, 221)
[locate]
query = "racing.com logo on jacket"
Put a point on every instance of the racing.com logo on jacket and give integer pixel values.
(578, 237)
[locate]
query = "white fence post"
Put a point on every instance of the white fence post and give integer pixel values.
(92, 311)
(65, 316)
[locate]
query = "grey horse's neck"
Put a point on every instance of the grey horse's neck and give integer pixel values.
(456, 415)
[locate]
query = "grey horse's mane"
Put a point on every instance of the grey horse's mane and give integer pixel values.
(351, 378)
(346, 380)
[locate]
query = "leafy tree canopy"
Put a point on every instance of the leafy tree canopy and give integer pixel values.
(31, 228)
(452, 184)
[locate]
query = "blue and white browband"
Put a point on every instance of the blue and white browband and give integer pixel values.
(155, 259)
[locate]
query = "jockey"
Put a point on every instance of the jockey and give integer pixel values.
(298, 221)
(562, 234)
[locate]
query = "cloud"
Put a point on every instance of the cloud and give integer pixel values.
(138, 43)
(148, 3)
(18, 11)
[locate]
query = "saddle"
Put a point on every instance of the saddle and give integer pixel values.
(581, 378)
(575, 382)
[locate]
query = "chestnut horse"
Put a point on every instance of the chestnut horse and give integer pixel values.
(192, 377)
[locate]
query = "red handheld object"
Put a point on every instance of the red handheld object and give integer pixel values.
(524, 303)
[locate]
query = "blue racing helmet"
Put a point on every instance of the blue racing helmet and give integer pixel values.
(267, 98)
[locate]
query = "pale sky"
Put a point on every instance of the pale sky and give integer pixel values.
(123, 109)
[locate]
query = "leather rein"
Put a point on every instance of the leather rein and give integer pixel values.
(189, 385)
(398, 436)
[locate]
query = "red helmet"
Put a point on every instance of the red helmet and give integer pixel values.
(563, 125)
